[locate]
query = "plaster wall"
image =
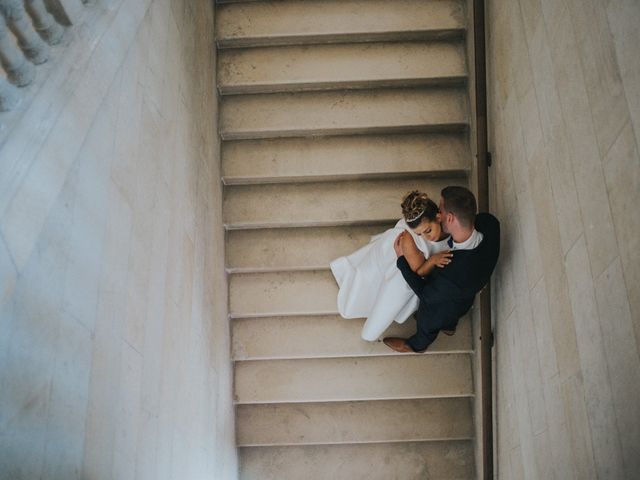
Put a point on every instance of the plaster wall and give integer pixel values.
(564, 80)
(114, 342)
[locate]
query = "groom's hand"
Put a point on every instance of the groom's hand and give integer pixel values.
(397, 245)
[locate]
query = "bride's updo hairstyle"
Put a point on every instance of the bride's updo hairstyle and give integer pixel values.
(416, 207)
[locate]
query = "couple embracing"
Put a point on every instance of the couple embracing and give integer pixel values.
(435, 260)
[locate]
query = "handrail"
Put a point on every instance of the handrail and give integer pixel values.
(483, 156)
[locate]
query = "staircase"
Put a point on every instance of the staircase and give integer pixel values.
(331, 110)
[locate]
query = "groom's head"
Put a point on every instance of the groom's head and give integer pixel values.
(458, 209)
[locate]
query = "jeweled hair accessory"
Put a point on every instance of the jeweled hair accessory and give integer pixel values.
(417, 216)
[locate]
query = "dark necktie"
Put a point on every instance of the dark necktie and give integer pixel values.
(450, 242)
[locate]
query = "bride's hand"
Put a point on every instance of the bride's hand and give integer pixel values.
(441, 259)
(397, 245)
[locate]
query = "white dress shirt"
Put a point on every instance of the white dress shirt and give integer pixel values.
(469, 244)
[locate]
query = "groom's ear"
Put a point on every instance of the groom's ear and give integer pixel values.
(450, 218)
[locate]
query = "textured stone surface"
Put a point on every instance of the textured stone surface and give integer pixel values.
(114, 343)
(358, 378)
(259, 23)
(563, 99)
(309, 176)
(270, 249)
(276, 293)
(354, 422)
(340, 66)
(327, 203)
(342, 112)
(326, 336)
(410, 461)
(340, 157)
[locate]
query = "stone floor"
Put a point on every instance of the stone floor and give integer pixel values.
(114, 343)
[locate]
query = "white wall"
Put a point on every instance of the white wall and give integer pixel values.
(114, 344)
(565, 127)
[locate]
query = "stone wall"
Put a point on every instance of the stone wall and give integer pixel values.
(114, 344)
(565, 128)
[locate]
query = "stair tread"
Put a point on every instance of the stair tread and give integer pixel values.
(350, 422)
(342, 112)
(330, 203)
(407, 461)
(282, 292)
(307, 159)
(361, 378)
(299, 68)
(327, 336)
(294, 22)
(275, 248)
(331, 111)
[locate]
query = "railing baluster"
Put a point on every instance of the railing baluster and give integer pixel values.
(19, 71)
(28, 40)
(44, 23)
(26, 27)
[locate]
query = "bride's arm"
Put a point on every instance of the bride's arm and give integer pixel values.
(441, 260)
(415, 258)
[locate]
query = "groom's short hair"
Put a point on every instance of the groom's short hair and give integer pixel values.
(461, 202)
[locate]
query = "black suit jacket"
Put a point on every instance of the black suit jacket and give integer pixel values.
(446, 294)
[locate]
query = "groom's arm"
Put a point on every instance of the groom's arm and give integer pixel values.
(444, 290)
(415, 281)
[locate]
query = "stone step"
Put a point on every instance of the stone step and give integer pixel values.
(346, 112)
(403, 376)
(278, 293)
(344, 157)
(324, 204)
(354, 422)
(294, 248)
(292, 22)
(341, 66)
(327, 336)
(445, 460)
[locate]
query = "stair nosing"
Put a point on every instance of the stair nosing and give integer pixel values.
(231, 180)
(239, 316)
(453, 127)
(364, 399)
(250, 270)
(390, 36)
(355, 401)
(332, 223)
(363, 356)
(233, 316)
(325, 357)
(355, 442)
(294, 87)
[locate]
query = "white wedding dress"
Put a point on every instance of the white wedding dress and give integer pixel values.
(371, 286)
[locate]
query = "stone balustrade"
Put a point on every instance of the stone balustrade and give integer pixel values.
(27, 30)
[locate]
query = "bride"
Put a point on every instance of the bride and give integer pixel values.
(369, 283)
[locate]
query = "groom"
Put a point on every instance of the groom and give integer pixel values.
(447, 293)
